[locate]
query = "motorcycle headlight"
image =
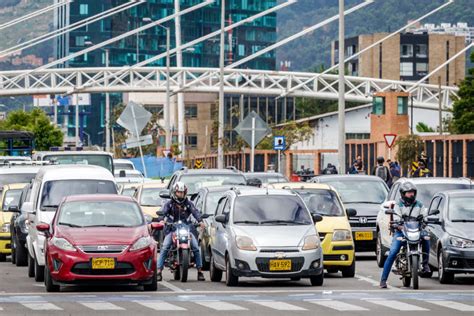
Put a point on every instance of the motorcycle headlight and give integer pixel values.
(245, 243)
(311, 242)
(341, 235)
(461, 242)
(413, 235)
(182, 232)
(5, 228)
(63, 244)
(141, 243)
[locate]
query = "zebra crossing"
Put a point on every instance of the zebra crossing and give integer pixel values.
(352, 305)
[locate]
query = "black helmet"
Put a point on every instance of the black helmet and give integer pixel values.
(380, 159)
(179, 187)
(408, 187)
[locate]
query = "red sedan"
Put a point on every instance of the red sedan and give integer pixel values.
(99, 239)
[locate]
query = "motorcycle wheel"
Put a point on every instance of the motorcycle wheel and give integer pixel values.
(184, 264)
(415, 266)
(177, 273)
(406, 281)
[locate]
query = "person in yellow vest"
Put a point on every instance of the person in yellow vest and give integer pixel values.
(422, 171)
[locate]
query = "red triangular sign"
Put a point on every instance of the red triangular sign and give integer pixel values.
(390, 139)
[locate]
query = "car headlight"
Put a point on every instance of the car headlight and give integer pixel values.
(311, 242)
(341, 235)
(461, 242)
(245, 243)
(63, 244)
(141, 243)
(5, 228)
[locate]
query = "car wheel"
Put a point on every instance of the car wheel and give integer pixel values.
(231, 279)
(444, 276)
(3, 257)
(380, 251)
(13, 246)
(39, 272)
(349, 272)
(31, 266)
(21, 255)
(215, 273)
(153, 286)
(48, 282)
(317, 280)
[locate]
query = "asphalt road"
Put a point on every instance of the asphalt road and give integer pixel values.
(20, 295)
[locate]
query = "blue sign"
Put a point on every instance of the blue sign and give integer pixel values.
(279, 143)
(63, 101)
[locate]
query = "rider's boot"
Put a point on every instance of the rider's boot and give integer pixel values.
(201, 276)
(426, 268)
(159, 277)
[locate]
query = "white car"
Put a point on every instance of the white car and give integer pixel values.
(49, 187)
(123, 164)
(129, 176)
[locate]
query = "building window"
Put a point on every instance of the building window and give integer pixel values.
(191, 111)
(402, 108)
(80, 41)
(378, 106)
(406, 69)
(357, 135)
(421, 50)
(406, 50)
(421, 69)
(191, 140)
(84, 9)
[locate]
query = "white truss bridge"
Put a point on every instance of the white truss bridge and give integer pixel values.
(206, 80)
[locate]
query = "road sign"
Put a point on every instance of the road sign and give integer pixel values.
(142, 141)
(390, 139)
(279, 143)
(198, 164)
(134, 118)
(244, 129)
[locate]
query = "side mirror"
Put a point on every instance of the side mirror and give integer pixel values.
(221, 219)
(205, 215)
(165, 194)
(160, 213)
(14, 209)
(434, 212)
(389, 212)
(351, 212)
(388, 204)
(44, 228)
(157, 226)
(433, 220)
(28, 208)
(316, 217)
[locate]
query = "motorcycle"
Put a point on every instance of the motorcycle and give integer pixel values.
(179, 256)
(408, 261)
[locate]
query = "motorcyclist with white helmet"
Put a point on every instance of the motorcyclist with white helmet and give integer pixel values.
(179, 208)
(408, 206)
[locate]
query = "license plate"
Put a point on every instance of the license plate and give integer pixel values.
(103, 263)
(280, 265)
(364, 235)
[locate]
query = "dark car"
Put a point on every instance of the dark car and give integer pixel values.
(266, 177)
(365, 194)
(19, 231)
(452, 236)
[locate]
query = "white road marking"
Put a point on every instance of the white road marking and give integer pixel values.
(221, 306)
(102, 306)
(453, 305)
(170, 286)
(374, 282)
(1, 308)
(400, 306)
(337, 305)
(41, 306)
(160, 306)
(281, 306)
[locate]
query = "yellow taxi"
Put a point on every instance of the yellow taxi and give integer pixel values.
(334, 230)
(148, 196)
(10, 197)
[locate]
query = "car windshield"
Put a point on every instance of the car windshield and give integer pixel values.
(196, 181)
(426, 191)
(271, 210)
(95, 160)
(151, 197)
(100, 214)
(16, 178)
(12, 198)
(323, 202)
(461, 208)
(359, 190)
(128, 192)
(54, 191)
(268, 178)
(123, 166)
(211, 202)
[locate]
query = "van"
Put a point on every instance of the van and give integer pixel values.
(49, 187)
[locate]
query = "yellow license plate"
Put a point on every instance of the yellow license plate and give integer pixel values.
(280, 265)
(364, 235)
(103, 263)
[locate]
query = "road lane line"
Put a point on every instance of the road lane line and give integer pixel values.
(221, 306)
(337, 305)
(281, 306)
(160, 306)
(41, 306)
(102, 306)
(170, 286)
(400, 306)
(374, 282)
(452, 305)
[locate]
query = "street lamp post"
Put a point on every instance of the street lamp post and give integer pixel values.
(167, 115)
(220, 136)
(341, 88)
(107, 108)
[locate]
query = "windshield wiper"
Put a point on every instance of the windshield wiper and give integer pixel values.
(70, 225)
(365, 202)
(283, 222)
(247, 222)
(45, 207)
(149, 205)
(463, 221)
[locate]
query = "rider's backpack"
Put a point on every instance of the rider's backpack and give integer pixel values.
(382, 172)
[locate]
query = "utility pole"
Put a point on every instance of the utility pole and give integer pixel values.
(220, 134)
(342, 105)
(168, 98)
(440, 110)
(179, 64)
(107, 108)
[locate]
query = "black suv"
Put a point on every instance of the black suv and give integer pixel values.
(19, 231)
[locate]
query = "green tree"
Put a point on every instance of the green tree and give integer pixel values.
(293, 133)
(37, 122)
(408, 149)
(463, 107)
(423, 128)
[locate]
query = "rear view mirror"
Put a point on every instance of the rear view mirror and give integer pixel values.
(316, 217)
(221, 219)
(157, 226)
(434, 212)
(160, 213)
(351, 212)
(165, 194)
(14, 209)
(388, 204)
(205, 215)
(433, 220)
(44, 228)
(28, 207)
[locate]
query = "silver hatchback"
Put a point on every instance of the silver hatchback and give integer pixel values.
(264, 233)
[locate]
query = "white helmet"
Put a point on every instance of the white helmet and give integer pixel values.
(179, 187)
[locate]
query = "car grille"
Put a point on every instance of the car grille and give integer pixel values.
(103, 248)
(121, 268)
(263, 264)
(363, 221)
(334, 258)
